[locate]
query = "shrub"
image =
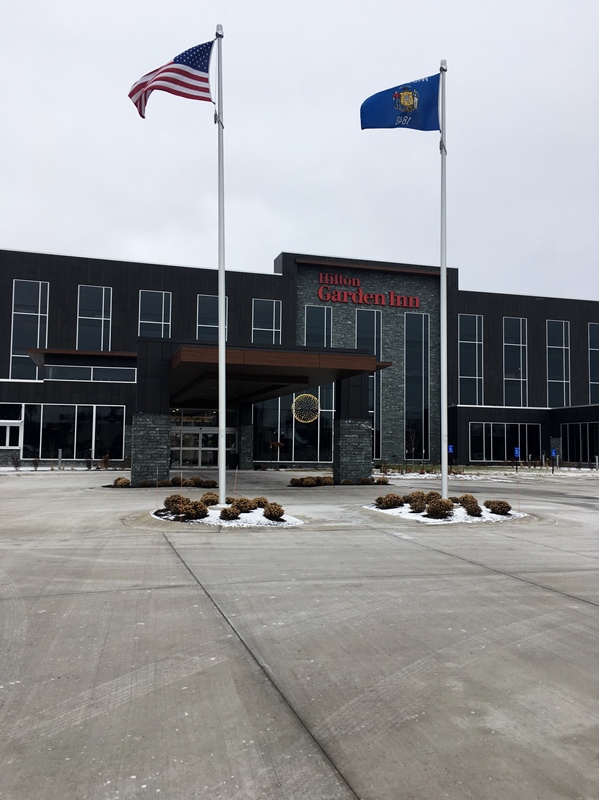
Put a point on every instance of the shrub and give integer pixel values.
(174, 503)
(439, 508)
(146, 484)
(35, 462)
(472, 508)
(382, 481)
(121, 482)
(260, 501)
(105, 462)
(165, 483)
(367, 481)
(347, 482)
(455, 500)
(417, 505)
(430, 496)
(464, 499)
(196, 509)
(413, 496)
(498, 507)
(274, 512)
(15, 461)
(243, 505)
(209, 498)
(309, 480)
(327, 481)
(295, 482)
(206, 483)
(230, 513)
(391, 500)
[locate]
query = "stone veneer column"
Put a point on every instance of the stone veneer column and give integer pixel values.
(150, 448)
(245, 446)
(352, 450)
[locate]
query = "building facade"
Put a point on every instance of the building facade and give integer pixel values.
(104, 360)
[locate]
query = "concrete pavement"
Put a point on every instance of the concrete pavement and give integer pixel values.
(355, 656)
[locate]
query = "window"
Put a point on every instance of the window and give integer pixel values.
(369, 338)
(208, 318)
(78, 431)
(94, 317)
(580, 442)
(470, 359)
(515, 381)
(594, 363)
(10, 425)
(417, 386)
(279, 437)
(107, 374)
(155, 314)
(266, 321)
(558, 363)
(319, 326)
(29, 326)
(497, 441)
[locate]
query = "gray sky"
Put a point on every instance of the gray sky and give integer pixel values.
(82, 174)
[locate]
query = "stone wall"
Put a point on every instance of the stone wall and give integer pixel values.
(245, 446)
(352, 450)
(426, 288)
(150, 448)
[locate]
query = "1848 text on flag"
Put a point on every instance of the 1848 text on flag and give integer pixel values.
(410, 105)
(186, 76)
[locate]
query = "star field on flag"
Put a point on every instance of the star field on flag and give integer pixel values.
(186, 76)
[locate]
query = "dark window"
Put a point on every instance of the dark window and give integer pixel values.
(109, 433)
(515, 384)
(558, 363)
(417, 386)
(319, 326)
(208, 318)
(29, 326)
(58, 431)
(266, 321)
(94, 318)
(154, 314)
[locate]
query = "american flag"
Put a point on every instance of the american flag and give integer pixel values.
(186, 75)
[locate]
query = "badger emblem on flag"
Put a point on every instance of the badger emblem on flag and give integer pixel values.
(406, 99)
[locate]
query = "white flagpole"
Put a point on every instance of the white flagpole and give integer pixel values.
(222, 358)
(443, 293)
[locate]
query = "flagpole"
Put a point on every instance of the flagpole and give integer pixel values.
(443, 291)
(222, 362)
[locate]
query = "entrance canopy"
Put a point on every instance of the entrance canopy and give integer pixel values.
(254, 374)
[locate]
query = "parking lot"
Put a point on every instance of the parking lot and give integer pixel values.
(354, 656)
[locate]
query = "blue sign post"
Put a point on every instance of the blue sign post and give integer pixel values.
(553, 455)
(517, 457)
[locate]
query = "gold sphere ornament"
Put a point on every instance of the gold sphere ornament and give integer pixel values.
(305, 408)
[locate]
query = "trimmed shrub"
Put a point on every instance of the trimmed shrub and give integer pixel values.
(417, 505)
(174, 503)
(413, 496)
(274, 512)
(347, 482)
(439, 508)
(472, 508)
(498, 507)
(367, 481)
(455, 500)
(389, 501)
(165, 483)
(195, 509)
(327, 481)
(121, 483)
(230, 513)
(382, 481)
(430, 496)
(209, 498)
(309, 481)
(464, 499)
(260, 501)
(243, 504)
(295, 482)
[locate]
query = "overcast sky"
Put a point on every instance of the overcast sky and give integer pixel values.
(82, 174)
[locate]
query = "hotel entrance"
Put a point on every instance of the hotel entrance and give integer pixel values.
(194, 438)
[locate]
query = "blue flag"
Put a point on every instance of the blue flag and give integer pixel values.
(411, 105)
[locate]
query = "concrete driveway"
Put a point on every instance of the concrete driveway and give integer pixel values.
(356, 656)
